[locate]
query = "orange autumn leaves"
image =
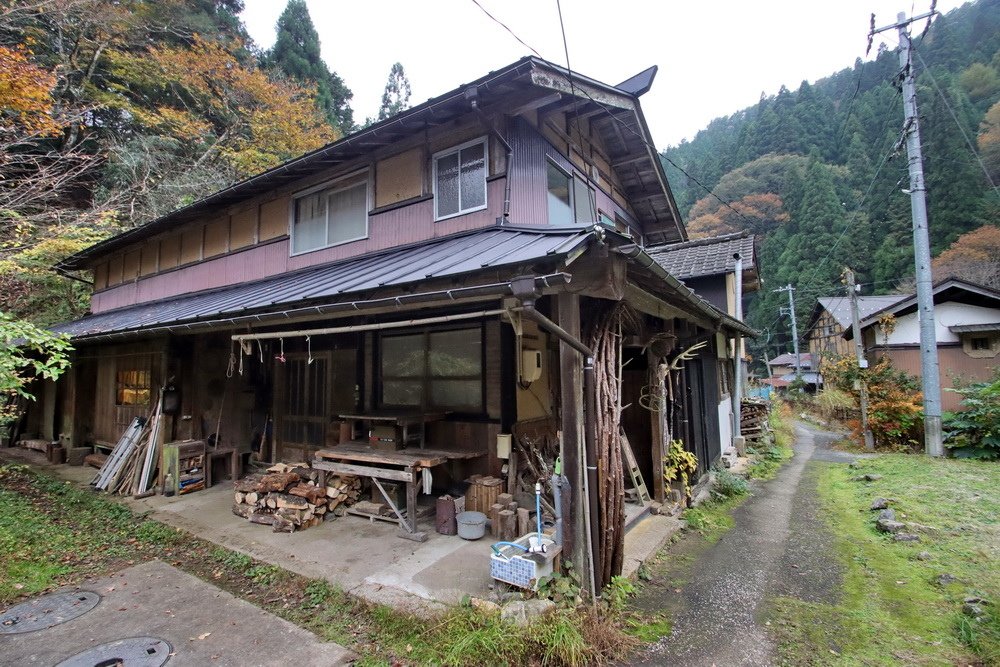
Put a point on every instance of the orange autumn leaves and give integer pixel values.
(222, 107)
(25, 98)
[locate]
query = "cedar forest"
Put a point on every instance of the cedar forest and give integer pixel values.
(116, 112)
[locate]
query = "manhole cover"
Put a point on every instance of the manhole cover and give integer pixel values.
(46, 611)
(132, 652)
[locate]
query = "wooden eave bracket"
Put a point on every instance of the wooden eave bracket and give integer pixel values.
(561, 84)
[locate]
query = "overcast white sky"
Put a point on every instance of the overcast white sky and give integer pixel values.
(715, 57)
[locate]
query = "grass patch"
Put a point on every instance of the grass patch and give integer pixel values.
(894, 608)
(54, 533)
(713, 518)
(649, 628)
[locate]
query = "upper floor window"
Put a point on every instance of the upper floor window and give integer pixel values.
(460, 179)
(330, 214)
(571, 199)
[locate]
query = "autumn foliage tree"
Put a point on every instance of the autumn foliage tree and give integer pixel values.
(219, 108)
(974, 256)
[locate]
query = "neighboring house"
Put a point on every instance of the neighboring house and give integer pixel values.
(786, 363)
(708, 266)
(967, 330)
(447, 262)
(832, 316)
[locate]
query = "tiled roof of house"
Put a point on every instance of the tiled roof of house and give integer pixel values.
(704, 257)
(788, 359)
(840, 306)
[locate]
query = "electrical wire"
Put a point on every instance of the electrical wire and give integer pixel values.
(505, 27)
(954, 117)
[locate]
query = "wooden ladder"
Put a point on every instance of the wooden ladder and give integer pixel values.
(633, 469)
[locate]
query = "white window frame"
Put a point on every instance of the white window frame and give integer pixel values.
(332, 187)
(575, 179)
(486, 177)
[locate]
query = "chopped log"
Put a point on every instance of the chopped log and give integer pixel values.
(261, 518)
(243, 510)
(250, 483)
(294, 515)
(523, 521)
(95, 460)
(251, 498)
(494, 515)
(305, 473)
(512, 506)
(310, 493)
(286, 501)
(278, 482)
(279, 467)
(282, 525)
(320, 510)
(239, 496)
(505, 499)
(508, 524)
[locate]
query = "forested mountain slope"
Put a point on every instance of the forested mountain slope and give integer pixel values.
(818, 172)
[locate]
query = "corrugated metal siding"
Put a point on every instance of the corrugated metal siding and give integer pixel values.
(954, 363)
(457, 255)
(529, 187)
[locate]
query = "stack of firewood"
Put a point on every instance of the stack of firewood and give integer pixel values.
(293, 497)
(753, 422)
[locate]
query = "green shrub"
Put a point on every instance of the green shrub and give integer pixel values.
(975, 431)
(729, 485)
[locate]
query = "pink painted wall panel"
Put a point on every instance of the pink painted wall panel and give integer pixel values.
(408, 224)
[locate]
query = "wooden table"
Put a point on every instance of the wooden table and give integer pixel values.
(408, 424)
(404, 465)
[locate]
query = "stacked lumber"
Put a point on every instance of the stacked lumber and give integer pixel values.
(753, 421)
(290, 497)
(130, 470)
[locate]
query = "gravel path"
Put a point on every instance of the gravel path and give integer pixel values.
(779, 546)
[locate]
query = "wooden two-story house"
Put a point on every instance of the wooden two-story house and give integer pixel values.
(451, 261)
(709, 267)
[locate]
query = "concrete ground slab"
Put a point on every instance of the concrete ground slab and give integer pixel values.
(203, 624)
(645, 540)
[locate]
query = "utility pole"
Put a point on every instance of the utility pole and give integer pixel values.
(795, 330)
(929, 371)
(852, 292)
(738, 350)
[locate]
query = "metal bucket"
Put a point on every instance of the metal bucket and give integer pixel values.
(471, 525)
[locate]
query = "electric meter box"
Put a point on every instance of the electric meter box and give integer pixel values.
(531, 365)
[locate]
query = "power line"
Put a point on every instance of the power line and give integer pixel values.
(505, 27)
(607, 111)
(954, 117)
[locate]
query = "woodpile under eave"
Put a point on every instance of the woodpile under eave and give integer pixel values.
(290, 498)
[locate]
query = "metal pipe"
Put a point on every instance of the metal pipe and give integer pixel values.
(738, 349)
(590, 449)
(589, 438)
(376, 326)
(556, 330)
(505, 216)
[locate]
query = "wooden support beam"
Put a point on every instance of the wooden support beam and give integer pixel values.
(363, 471)
(571, 426)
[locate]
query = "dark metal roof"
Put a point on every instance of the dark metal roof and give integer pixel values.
(447, 257)
(975, 328)
(705, 257)
(625, 130)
